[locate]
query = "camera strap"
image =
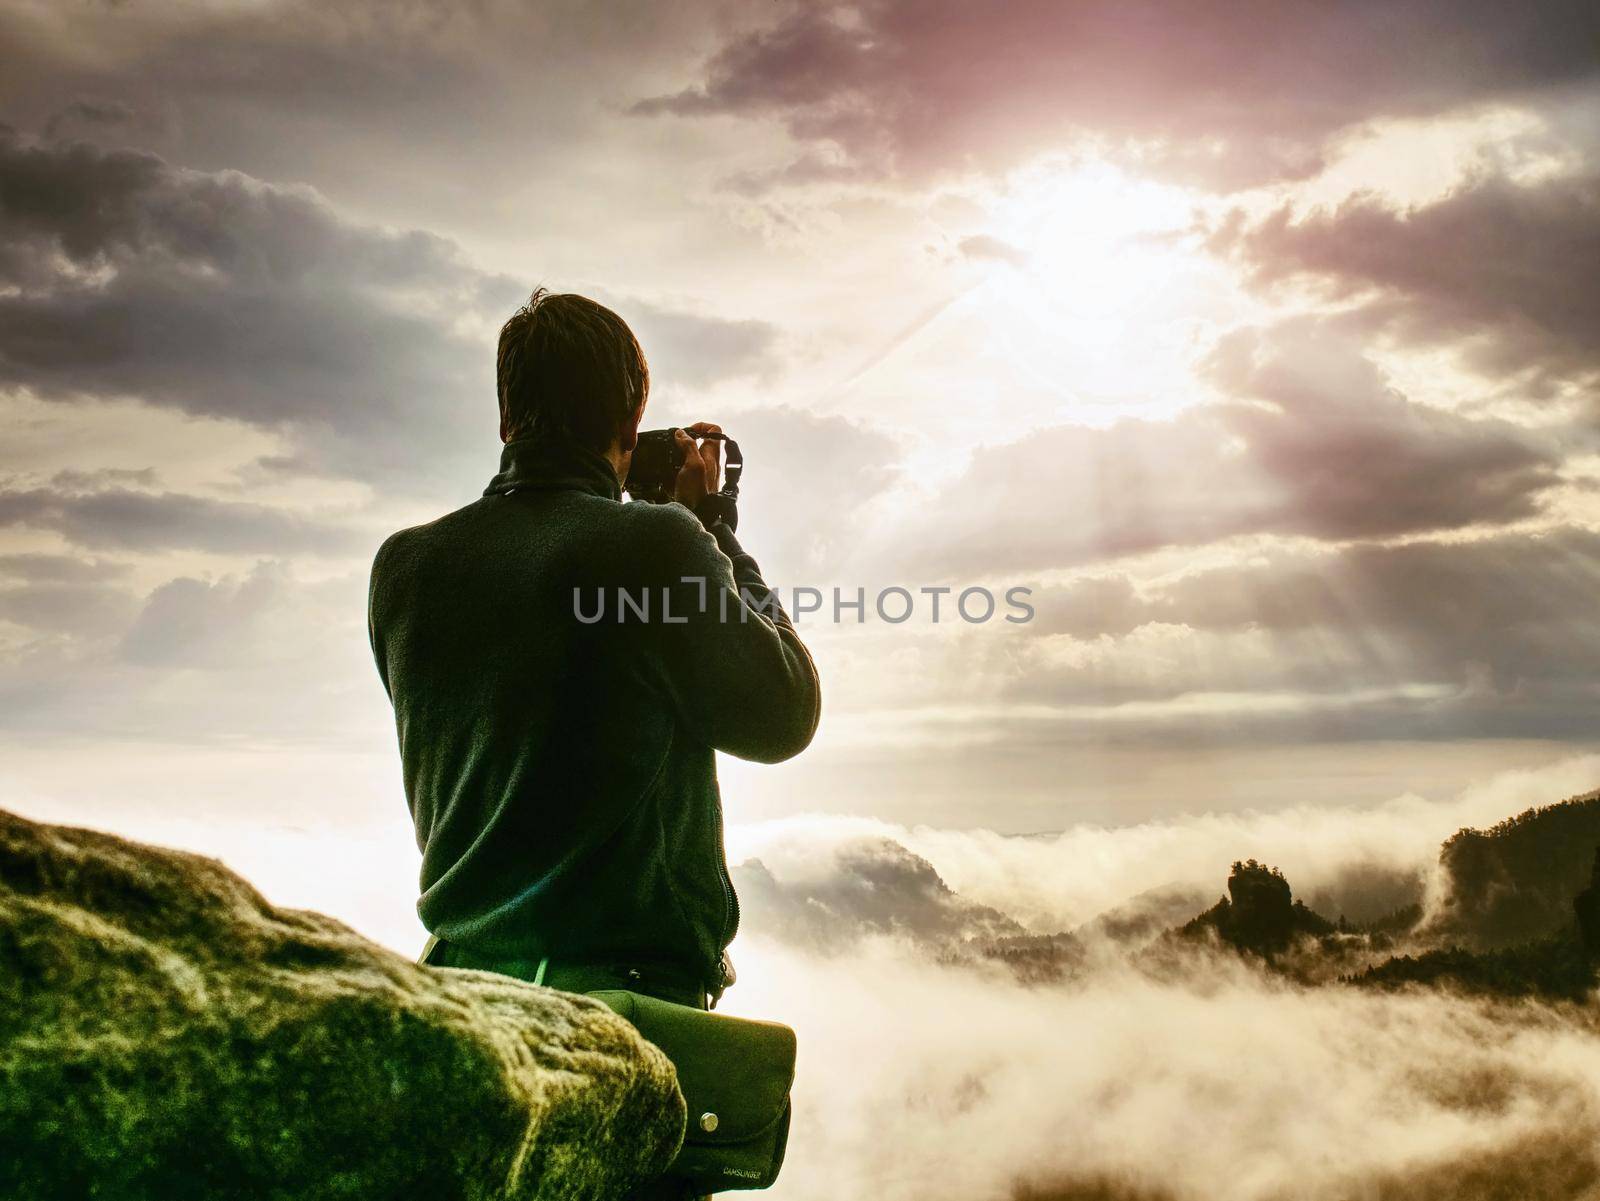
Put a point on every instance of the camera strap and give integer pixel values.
(723, 506)
(732, 469)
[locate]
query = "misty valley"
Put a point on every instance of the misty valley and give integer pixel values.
(1397, 1033)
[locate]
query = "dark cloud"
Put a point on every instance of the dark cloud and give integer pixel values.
(120, 519)
(1505, 271)
(58, 569)
(71, 480)
(488, 114)
(1496, 636)
(1230, 93)
(219, 295)
(59, 603)
(1314, 441)
(89, 113)
(1352, 457)
(1503, 611)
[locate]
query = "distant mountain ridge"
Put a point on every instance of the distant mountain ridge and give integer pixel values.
(1518, 915)
(876, 887)
(1560, 965)
(1514, 882)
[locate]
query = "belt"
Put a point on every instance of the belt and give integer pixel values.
(666, 981)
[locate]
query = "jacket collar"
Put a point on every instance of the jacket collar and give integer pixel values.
(554, 464)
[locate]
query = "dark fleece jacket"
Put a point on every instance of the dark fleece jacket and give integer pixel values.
(560, 768)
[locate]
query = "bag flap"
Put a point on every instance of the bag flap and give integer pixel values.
(737, 1069)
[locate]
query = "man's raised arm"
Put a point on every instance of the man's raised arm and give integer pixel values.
(728, 654)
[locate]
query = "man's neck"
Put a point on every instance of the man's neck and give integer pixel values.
(540, 463)
(615, 457)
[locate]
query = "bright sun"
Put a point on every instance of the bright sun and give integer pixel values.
(1111, 294)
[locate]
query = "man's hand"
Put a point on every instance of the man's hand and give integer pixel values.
(701, 474)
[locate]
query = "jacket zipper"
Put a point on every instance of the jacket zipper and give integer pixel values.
(730, 898)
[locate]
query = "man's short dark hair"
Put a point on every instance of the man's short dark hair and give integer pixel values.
(568, 367)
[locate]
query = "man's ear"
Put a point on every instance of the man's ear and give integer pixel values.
(628, 436)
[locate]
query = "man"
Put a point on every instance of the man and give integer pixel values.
(560, 766)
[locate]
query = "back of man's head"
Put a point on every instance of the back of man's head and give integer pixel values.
(568, 367)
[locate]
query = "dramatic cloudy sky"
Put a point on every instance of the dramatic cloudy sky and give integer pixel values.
(1260, 340)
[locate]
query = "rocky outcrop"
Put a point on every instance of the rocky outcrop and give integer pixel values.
(166, 1034)
(1259, 915)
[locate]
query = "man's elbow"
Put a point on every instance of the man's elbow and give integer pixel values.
(789, 744)
(786, 732)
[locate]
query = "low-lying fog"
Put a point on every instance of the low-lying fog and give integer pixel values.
(922, 1080)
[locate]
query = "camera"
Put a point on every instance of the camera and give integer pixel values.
(657, 459)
